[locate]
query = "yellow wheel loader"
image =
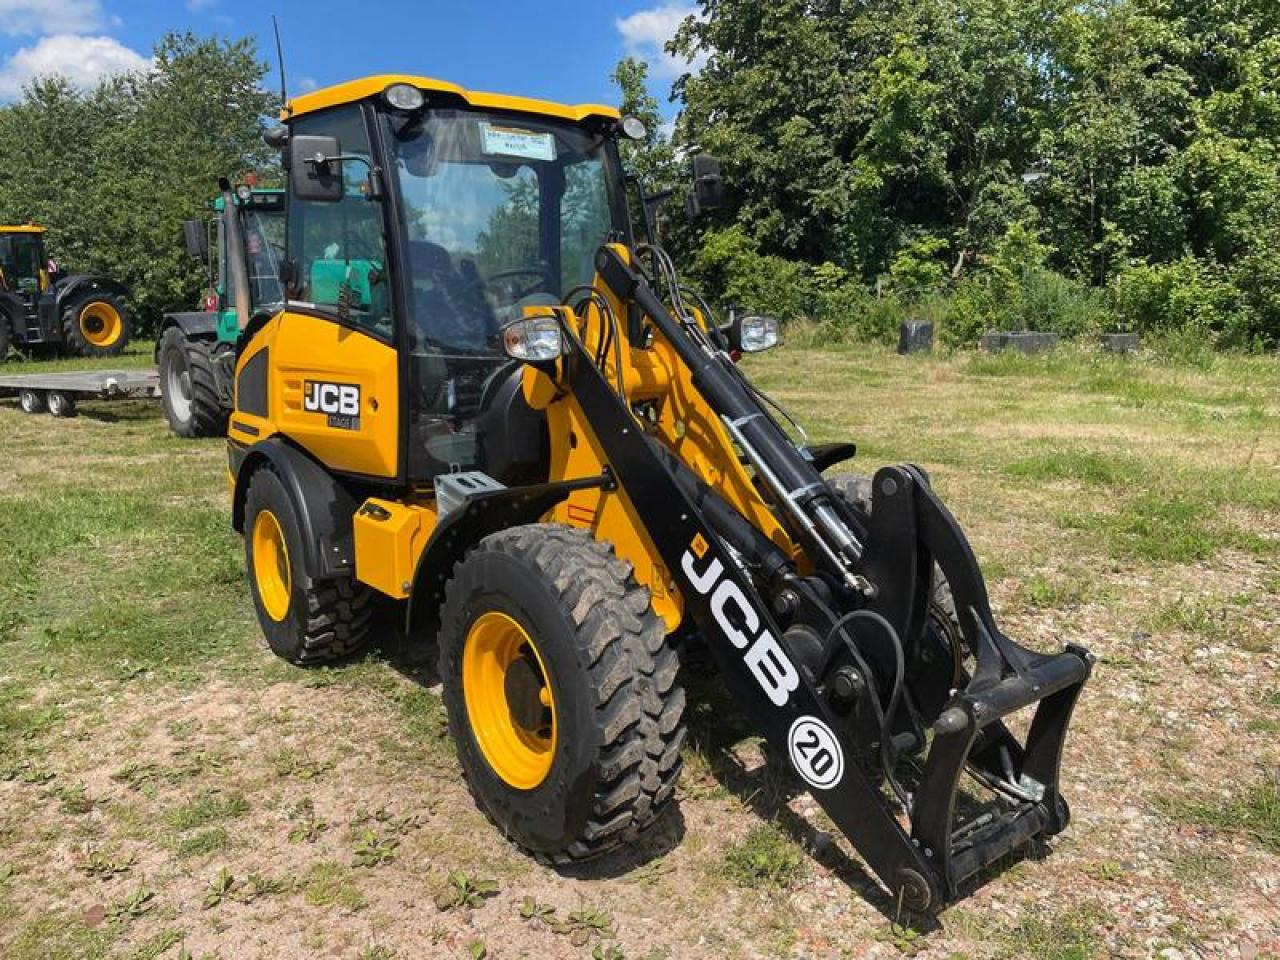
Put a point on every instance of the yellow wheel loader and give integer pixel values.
(487, 406)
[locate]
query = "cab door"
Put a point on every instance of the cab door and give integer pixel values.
(335, 382)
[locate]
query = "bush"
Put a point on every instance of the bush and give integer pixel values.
(1192, 298)
(1036, 298)
(732, 270)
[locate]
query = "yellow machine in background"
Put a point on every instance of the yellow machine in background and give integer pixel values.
(39, 306)
(487, 408)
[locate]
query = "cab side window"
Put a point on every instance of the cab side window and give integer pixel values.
(337, 250)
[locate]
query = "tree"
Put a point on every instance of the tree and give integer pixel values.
(114, 171)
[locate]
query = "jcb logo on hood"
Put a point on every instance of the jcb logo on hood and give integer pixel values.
(741, 623)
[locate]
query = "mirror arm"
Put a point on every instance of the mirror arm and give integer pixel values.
(376, 186)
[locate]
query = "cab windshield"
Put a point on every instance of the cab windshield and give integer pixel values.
(501, 212)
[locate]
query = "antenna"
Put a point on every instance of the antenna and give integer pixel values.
(284, 87)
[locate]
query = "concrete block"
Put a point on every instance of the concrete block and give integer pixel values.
(915, 337)
(1121, 342)
(1024, 341)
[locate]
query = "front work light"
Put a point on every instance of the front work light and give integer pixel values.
(404, 96)
(757, 334)
(535, 339)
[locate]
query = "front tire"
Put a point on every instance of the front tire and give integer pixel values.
(96, 325)
(189, 387)
(305, 622)
(561, 691)
(31, 401)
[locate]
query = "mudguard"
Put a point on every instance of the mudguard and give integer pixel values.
(195, 325)
(67, 289)
(459, 531)
(325, 508)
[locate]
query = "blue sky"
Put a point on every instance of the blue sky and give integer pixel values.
(556, 49)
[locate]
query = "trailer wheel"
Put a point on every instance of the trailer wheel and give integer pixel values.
(305, 622)
(560, 686)
(61, 404)
(31, 401)
(188, 386)
(96, 326)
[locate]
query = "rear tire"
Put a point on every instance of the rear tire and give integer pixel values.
(6, 335)
(305, 622)
(189, 387)
(31, 401)
(602, 668)
(96, 325)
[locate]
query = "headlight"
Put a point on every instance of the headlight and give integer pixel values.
(404, 96)
(757, 334)
(534, 339)
(633, 128)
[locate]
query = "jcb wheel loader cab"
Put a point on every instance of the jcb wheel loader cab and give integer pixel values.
(478, 400)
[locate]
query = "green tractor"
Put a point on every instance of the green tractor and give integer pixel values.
(42, 306)
(195, 351)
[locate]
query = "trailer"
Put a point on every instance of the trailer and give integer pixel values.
(58, 393)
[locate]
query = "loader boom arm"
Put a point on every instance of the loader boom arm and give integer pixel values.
(868, 596)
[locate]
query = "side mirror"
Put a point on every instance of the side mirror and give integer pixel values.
(315, 169)
(707, 192)
(197, 238)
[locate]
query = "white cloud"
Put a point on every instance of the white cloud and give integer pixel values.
(645, 33)
(40, 17)
(82, 60)
(195, 6)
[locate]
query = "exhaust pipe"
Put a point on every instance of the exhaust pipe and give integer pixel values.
(237, 264)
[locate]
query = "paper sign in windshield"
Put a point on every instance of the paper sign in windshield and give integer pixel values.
(513, 142)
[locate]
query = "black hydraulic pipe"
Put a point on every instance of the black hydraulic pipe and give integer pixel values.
(724, 392)
(744, 537)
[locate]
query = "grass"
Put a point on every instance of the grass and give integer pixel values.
(1068, 936)
(206, 808)
(1254, 813)
(766, 857)
(329, 884)
(1082, 466)
(148, 741)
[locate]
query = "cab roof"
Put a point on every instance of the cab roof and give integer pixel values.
(355, 90)
(22, 228)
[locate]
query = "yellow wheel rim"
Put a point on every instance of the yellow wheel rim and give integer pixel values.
(509, 701)
(271, 565)
(101, 324)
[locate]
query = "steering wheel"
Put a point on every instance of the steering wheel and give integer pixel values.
(513, 293)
